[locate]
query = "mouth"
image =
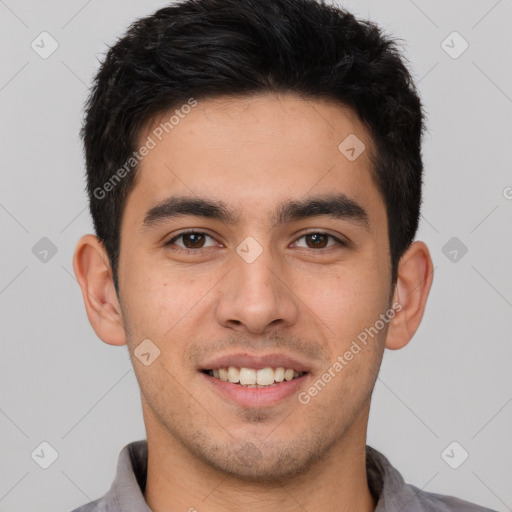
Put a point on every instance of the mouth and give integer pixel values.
(254, 377)
(255, 380)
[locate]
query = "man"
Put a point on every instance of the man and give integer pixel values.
(254, 174)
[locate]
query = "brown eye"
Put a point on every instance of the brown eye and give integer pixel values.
(319, 240)
(193, 240)
(190, 240)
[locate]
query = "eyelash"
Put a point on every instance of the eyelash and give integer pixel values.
(169, 243)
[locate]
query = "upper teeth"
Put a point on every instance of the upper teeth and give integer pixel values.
(248, 376)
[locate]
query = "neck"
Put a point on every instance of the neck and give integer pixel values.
(178, 481)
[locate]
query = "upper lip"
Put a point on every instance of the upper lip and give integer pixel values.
(244, 360)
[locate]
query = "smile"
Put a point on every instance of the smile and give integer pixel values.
(254, 378)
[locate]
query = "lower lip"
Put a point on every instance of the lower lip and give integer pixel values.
(256, 397)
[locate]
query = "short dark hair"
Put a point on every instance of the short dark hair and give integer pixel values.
(213, 48)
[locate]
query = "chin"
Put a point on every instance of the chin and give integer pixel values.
(271, 464)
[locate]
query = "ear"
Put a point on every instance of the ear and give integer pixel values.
(94, 275)
(415, 275)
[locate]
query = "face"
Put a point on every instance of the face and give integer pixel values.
(276, 255)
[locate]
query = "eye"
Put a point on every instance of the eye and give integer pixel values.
(191, 240)
(319, 240)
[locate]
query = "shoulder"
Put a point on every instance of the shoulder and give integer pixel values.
(126, 492)
(433, 502)
(393, 494)
(93, 506)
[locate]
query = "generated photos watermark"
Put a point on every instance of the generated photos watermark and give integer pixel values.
(151, 142)
(305, 397)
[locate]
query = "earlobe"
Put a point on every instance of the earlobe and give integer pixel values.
(94, 275)
(415, 276)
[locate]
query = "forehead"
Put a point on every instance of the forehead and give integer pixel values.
(252, 152)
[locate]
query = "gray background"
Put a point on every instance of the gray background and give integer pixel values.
(61, 384)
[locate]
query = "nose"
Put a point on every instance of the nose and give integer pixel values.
(256, 297)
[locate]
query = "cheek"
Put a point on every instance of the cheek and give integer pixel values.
(348, 300)
(163, 302)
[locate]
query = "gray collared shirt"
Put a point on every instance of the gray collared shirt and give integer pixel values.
(386, 484)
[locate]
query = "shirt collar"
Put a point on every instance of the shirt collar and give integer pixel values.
(127, 491)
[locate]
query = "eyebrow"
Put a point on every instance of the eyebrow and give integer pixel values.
(338, 206)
